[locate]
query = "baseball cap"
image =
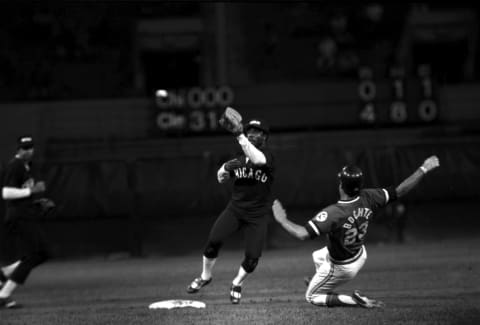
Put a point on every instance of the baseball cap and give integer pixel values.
(257, 124)
(25, 142)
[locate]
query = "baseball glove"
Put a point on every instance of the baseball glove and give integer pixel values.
(231, 120)
(45, 206)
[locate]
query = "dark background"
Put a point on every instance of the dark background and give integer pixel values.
(81, 78)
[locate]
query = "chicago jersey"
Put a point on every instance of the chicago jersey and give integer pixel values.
(346, 222)
(253, 183)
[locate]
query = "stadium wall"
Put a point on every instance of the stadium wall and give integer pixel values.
(167, 202)
(287, 106)
(119, 189)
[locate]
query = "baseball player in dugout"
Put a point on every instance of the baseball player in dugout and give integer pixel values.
(250, 205)
(24, 205)
(345, 225)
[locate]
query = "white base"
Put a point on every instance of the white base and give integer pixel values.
(176, 303)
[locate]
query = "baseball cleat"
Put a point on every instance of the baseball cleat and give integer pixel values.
(197, 284)
(365, 302)
(235, 294)
(8, 303)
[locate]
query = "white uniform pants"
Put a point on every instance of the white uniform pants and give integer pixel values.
(331, 274)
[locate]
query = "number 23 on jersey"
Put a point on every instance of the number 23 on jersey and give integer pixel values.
(356, 227)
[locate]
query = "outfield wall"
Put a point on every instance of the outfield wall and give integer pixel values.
(181, 180)
(114, 184)
(166, 202)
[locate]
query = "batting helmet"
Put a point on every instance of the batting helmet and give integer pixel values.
(351, 180)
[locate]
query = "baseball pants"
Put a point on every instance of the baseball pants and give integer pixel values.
(32, 244)
(231, 220)
(331, 274)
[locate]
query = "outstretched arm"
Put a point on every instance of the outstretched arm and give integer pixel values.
(256, 156)
(280, 215)
(410, 182)
(14, 193)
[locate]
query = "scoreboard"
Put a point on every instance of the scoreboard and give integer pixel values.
(188, 111)
(397, 100)
(394, 101)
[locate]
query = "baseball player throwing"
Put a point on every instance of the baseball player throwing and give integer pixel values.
(345, 224)
(249, 206)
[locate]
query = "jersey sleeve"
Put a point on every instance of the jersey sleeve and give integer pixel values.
(270, 160)
(322, 222)
(377, 197)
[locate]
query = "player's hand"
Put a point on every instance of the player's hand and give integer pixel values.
(279, 212)
(430, 163)
(223, 177)
(38, 187)
(232, 164)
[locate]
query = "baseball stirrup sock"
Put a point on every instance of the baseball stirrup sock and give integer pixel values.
(8, 269)
(8, 289)
(241, 275)
(208, 264)
(331, 300)
(334, 300)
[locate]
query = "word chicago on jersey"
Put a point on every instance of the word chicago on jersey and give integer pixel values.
(250, 173)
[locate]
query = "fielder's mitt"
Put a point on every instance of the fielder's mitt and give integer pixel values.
(45, 206)
(231, 120)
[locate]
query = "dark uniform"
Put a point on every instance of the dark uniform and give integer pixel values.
(249, 209)
(346, 222)
(20, 221)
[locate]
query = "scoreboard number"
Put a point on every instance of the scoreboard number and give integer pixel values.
(190, 111)
(367, 90)
(367, 114)
(407, 100)
(427, 110)
(398, 112)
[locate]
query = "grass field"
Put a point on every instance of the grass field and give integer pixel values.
(421, 283)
